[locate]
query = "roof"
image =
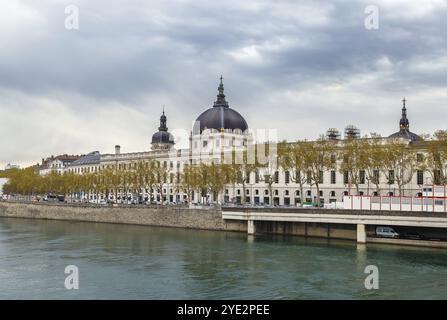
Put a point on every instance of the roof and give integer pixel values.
(162, 137)
(405, 134)
(65, 158)
(91, 158)
(219, 117)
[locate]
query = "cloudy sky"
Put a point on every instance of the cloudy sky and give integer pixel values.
(297, 66)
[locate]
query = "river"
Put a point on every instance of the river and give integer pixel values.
(139, 262)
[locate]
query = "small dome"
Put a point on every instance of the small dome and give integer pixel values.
(221, 116)
(162, 137)
(405, 134)
(404, 127)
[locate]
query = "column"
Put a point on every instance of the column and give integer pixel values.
(250, 227)
(361, 233)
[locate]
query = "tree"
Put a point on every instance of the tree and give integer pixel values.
(353, 158)
(373, 160)
(189, 180)
(435, 161)
(292, 158)
(240, 171)
(319, 157)
(214, 180)
(398, 163)
(160, 172)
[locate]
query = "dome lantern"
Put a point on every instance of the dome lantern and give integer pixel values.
(162, 139)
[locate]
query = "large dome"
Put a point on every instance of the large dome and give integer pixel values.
(221, 116)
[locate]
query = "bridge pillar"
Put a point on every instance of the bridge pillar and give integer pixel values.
(361, 233)
(250, 227)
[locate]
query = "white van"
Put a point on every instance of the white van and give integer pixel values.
(386, 232)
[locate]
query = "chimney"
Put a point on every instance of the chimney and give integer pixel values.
(117, 149)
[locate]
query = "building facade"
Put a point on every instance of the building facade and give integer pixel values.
(222, 130)
(56, 164)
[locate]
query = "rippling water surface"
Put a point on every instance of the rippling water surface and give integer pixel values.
(136, 262)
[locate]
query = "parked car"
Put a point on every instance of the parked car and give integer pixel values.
(386, 232)
(414, 236)
(53, 198)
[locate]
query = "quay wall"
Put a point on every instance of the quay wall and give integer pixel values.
(208, 219)
(195, 218)
(181, 217)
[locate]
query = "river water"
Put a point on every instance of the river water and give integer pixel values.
(138, 262)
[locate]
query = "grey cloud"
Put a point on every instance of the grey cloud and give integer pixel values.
(301, 67)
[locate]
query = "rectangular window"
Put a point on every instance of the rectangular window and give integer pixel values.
(376, 177)
(391, 177)
(287, 177)
(346, 177)
(420, 177)
(362, 177)
(320, 177)
(256, 176)
(333, 177)
(276, 177)
(308, 178)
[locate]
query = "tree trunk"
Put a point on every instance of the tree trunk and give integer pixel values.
(318, 194)
(301, 194)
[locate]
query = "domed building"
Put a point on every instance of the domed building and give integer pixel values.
(219, 129)
(162, 139)
(221, 117)
(404, 127)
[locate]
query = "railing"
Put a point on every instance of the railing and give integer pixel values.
(394, 203)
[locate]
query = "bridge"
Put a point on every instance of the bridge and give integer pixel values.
(358, 219)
